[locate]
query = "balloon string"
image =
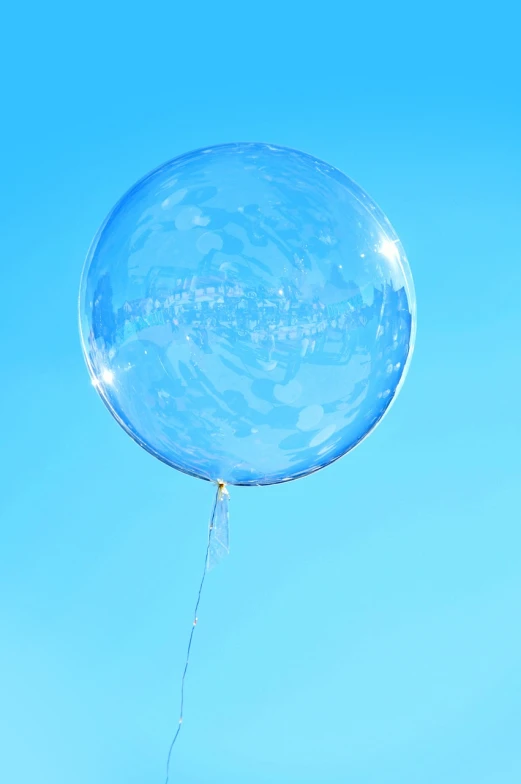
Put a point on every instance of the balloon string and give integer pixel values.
(194, 624)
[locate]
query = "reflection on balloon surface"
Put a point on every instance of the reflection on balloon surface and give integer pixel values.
(247, 313)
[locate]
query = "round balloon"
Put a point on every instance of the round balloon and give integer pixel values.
(247, 313)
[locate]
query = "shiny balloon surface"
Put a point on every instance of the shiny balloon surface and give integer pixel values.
(247, 313)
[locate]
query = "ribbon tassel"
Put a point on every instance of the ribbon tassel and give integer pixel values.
(219, 535)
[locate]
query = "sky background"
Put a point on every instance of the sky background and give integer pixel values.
(366, 627)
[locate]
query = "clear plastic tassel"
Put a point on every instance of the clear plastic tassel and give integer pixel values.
(219, 538)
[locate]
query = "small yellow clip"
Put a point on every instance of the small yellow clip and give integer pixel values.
(221, 488)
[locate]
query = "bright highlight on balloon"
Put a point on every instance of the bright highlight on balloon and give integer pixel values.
(106, 376)
(389, 250)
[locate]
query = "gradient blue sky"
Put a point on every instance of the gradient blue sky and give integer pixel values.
(366, 627)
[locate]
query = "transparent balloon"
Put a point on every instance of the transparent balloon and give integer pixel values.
(247, 313)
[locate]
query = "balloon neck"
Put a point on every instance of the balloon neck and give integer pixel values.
(221, 488)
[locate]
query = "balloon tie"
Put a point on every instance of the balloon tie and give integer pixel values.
(217, 546)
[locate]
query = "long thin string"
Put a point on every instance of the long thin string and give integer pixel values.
(190, 639)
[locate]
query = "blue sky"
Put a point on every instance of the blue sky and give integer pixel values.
(366, 627)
